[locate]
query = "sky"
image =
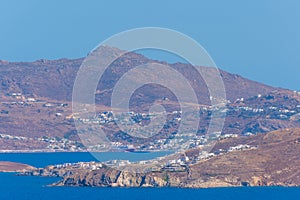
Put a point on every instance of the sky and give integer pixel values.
(258, 39)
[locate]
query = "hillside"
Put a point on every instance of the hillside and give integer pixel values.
(54, 79)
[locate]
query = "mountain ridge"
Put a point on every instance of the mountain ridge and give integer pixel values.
(65, 69)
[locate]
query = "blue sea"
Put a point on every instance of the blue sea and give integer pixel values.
(34, 188)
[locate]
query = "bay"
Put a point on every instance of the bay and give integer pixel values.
(44, 159)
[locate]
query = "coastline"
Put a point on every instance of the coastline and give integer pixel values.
(69, 151)
(41, 151)
(272, 163)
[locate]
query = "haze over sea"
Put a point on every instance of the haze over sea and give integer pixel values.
(33, 188)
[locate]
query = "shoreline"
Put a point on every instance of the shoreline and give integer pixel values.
(68, 151)
(40, 151)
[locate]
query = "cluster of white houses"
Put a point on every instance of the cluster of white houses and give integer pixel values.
(80, 165)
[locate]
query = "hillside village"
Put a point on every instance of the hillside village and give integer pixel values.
(267, 107)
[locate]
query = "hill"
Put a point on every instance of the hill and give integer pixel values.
(35, 109)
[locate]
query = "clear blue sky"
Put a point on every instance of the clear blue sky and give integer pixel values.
(258, 39)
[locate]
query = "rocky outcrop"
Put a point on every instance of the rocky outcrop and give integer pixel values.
(113, 179)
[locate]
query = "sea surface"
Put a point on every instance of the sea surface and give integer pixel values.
(34, 188)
